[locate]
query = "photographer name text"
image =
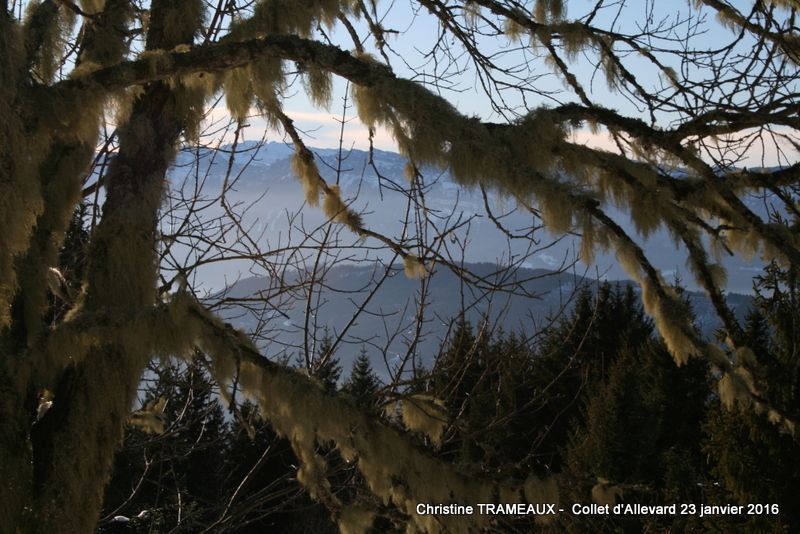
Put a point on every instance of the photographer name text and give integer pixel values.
(578, 509)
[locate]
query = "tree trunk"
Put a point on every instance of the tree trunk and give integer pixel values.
(55, 470)
(74, 444)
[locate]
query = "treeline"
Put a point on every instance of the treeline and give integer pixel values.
(596, 399)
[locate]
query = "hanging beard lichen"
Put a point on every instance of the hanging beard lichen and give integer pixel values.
(355, 520)
(372, 110)
(104, 34)
(413, 267)
(539, 490)
(555, 207)
(301, 411)
(46, 28)
(265, 85)
(150, 419)
(306, 171)
(299, 17)
(717, 272)
(673, 321)
(181, 24)
(548, 10)
(61, 173)
(605, 493)
(335, 209)
(267, 82)
(425, 414)
(670, 315)
(589, 239)
(574, 38)
(92, 7)
(521, 160)
(20, 190)
(748, 241)
(734, 389)
(122, 104)
(514, 30)
(318, 85)
(238, 90)
(645, 211)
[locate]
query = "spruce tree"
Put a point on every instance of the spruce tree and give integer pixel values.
(182, 480)
(205, 473)
(261, 492)
(642, 430)
(751, 460)
(363, 384)
(454, 378)
(574, 360)
(325, 365)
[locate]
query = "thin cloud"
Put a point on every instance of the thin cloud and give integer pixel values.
(749, 148)
(321, 129)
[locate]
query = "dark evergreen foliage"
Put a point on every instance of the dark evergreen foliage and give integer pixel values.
(601, 399)
(208, 469)
(575, 359)
(325, 366)
(750, 460)
(363, 384)
(598, 399)
(642, 430)
(178, 474)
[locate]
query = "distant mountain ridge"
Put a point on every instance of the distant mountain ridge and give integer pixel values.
(347, 285)
(265, 170)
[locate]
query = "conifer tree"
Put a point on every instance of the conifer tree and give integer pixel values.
(488, 387)
(456, 375)
(642, 430)
(202, 473)
(363, 384)
(179, 471)
(499, 412)
(749, 459)
(575, 359)
(325, 366)
(261, 492)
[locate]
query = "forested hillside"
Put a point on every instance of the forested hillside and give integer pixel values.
(595, 398)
